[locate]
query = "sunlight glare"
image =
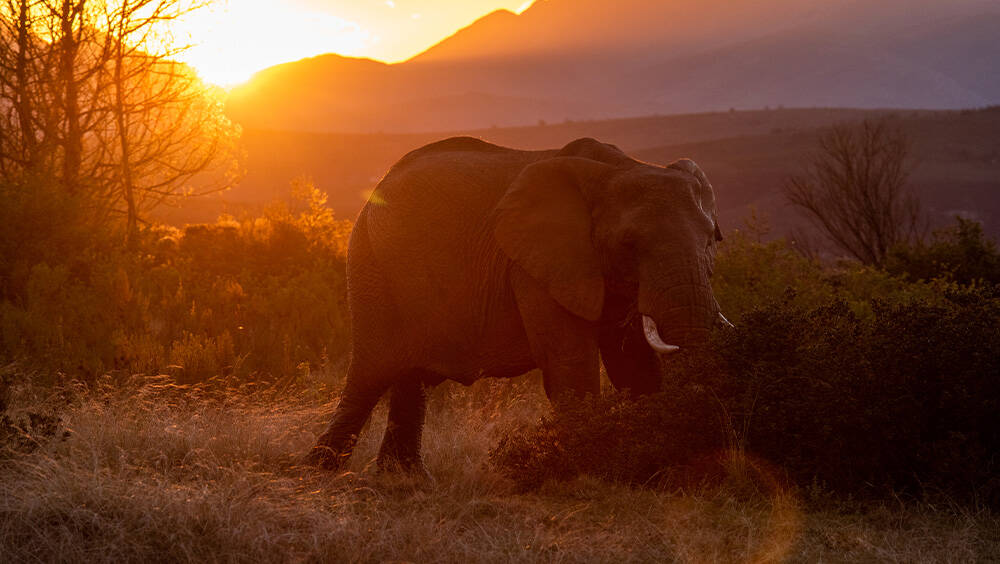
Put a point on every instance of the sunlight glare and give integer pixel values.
(232, 39)
(268, 32)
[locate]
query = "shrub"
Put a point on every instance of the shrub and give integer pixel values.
(906, 399)
(40, 223)
(871, 404)
(849, 376)
(961, 253)
(24, 430)
(199, 357)
(750, 273)
(259, 296)
(652, 439)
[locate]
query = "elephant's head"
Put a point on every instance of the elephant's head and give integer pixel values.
(604, 232)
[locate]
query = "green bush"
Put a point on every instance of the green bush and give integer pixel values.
(259, 297)
(751, 274)
(961, 253)
(655, 439)
(906, 399)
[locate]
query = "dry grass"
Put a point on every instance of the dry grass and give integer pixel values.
(160, 474)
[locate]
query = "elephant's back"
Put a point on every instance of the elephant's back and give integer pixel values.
(453, 145)
(470, 170)
(443, 191)
(441, 195)
(429, 234)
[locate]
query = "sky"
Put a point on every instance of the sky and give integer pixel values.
(235, 38)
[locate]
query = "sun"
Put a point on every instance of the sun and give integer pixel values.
(229, 42)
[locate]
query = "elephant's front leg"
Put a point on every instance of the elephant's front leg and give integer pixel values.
(562, 344)
(401, 443)
(630, 362)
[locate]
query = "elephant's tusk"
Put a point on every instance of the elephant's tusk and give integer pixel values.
(653, 337)
(725, 321)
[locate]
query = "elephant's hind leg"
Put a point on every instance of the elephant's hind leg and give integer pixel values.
(401, 444)
(337, 442)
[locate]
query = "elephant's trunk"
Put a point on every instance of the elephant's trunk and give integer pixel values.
(677, 307)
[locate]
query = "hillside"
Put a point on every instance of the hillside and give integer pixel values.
(955, 168)
(563, 59)
(748, 155)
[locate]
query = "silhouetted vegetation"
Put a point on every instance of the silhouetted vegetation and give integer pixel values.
(96, 103)
(670, 439)
(159, 385)
(854, 191)
(860, 380)
(960, 252)
(256, 298)
(830, 386)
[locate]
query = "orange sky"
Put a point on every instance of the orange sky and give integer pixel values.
(236, 38)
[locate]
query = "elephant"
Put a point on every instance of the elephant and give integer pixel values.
(473, 260)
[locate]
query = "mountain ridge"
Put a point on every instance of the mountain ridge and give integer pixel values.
(491, 23)
(564, 61)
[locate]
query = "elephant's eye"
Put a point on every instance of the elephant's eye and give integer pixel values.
(628, 249)
(629, 239)
(628, 246)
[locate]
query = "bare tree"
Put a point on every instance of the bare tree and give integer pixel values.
(854, 191)
(24, 127)
(50, 59)
(71, 35)
(168, 129)
(92, 96)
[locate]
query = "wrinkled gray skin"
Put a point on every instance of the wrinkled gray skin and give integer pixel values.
(473, 260)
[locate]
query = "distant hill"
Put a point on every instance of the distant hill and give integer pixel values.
(588, 59)
(954, 164)
(748, 156)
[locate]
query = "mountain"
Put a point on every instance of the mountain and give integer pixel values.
(574, 27)
(477, 41)
(589, 59)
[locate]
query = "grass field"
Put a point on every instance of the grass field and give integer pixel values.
(153, 472)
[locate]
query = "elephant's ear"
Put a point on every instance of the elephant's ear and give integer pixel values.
(544, 225)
